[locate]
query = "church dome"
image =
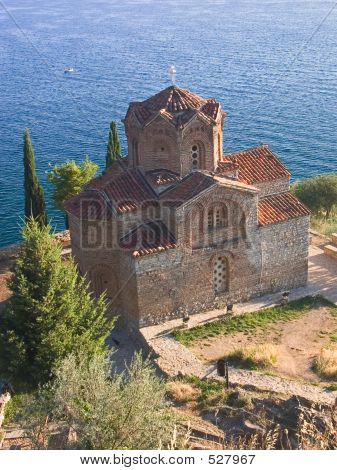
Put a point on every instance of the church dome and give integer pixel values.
(177, 105)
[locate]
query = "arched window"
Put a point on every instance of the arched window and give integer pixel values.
(195, 153)
(135, 152)
(217, 217)
(103, 279)
(221, 275)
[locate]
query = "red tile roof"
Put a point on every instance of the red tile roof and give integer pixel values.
(89, 205)
(187, 188)
(256, 165)
(121, 192)
(280, 207)
(150, 237)
(128, 191)
(177, 105)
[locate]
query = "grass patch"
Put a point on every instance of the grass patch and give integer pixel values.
(331, 388)
(260, 356)
(249, 322)
(323, 225)
(325, 364)
(182, 392)
(211, 393)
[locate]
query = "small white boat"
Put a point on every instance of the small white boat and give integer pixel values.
(69, 70)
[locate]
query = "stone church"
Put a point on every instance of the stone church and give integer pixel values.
(177, 227)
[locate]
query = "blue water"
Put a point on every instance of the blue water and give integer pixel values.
(272, 65)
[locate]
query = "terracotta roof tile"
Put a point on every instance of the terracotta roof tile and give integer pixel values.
(190, 186)
(256, 165)
(150, 237)
(122, 192)
(280, 207)
(175, 104)
(128, 191)
(89, 205)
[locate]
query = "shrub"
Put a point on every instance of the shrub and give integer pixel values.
(182, 392)
(120, 411)
(318, 193)
(254, 357)
(325, 363)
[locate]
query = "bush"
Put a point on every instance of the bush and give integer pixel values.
(121, 411)
(325, 363)
(258, 356)
(318, 193)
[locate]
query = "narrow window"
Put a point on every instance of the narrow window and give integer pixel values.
(195, 157)
(217, 218)
(210, 219)
(220, 275)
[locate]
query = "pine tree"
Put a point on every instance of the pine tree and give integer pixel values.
(34, 197)
(114, 146)
(51, 312)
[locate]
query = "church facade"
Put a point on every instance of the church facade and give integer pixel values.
(177, 227)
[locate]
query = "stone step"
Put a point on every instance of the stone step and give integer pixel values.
(330, 250)
(334, 238)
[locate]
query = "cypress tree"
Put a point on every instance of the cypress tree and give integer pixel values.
(34, 197)
(114, 146)
(51, 312)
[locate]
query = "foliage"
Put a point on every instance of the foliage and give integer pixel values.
(325, 364)
(69, 178)
(181, 392)
(106, 411)
(323, 225)
(114, 146)
(251, 321)
(318, 193)
(51, 312)
(34, 196)
(258, 356)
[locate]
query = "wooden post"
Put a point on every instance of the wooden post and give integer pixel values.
(226, 375)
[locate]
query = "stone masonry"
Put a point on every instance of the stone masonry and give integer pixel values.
(176, 227)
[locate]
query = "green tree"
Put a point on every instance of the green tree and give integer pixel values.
(107, 410)
(51, 312)
(114, 146)
(68, 180)
(319, 193)
(34, 198)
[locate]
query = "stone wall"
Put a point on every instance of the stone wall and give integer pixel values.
(277, 186)
(161, 145)
(285, 248)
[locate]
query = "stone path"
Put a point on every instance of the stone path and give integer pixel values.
(173, 358)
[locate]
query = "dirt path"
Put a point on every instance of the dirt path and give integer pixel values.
(298, 342)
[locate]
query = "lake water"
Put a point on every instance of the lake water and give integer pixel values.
(272, 65)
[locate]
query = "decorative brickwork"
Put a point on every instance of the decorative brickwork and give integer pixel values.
(176, 227)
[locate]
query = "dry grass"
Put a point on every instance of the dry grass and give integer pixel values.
(325, 363)
(260, 356)
(182, 392)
